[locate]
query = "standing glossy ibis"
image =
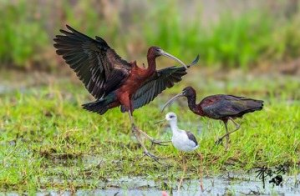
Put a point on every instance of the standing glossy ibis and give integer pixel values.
(113, 81)
(184, 141)
(220, 107)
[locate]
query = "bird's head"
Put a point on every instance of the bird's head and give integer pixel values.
(186, 92)
(171, 116)
(155, 52)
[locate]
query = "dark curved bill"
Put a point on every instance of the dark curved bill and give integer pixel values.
(172, 57)
(171, 100)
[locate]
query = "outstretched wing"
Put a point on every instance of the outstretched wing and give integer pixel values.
(98, 66)
(162, 79)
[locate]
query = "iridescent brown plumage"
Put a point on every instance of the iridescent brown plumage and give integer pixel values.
(113, 81)
(220, 107)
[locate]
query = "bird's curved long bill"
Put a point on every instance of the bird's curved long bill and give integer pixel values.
(172, 57)
(171, 100)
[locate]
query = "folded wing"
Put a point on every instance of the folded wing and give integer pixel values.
(219, 106)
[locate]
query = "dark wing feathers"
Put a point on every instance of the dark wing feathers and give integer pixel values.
(192, 137)
(240, 105)
(220, 106)
(95, 63)
(162, 79)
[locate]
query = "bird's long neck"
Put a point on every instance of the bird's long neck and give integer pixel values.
(151, 63)
(174, 127)
(192, 104)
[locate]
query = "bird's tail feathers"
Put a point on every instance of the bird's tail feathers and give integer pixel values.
(99, 106)
(255, 104)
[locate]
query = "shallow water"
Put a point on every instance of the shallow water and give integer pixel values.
(235, 184)
(10, 88)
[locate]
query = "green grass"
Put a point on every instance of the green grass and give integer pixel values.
(48, 142)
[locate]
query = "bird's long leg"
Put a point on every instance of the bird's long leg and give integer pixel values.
(153, 141)
(227, 136)
(201, 170)
(183, 172)
(131, 119)
(237, 126)
(137, 134)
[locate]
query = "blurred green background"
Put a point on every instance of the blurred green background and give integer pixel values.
(231, 33)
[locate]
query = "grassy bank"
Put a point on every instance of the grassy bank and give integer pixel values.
(48, 141)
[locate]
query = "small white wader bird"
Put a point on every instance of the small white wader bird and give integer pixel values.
(184, 141)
